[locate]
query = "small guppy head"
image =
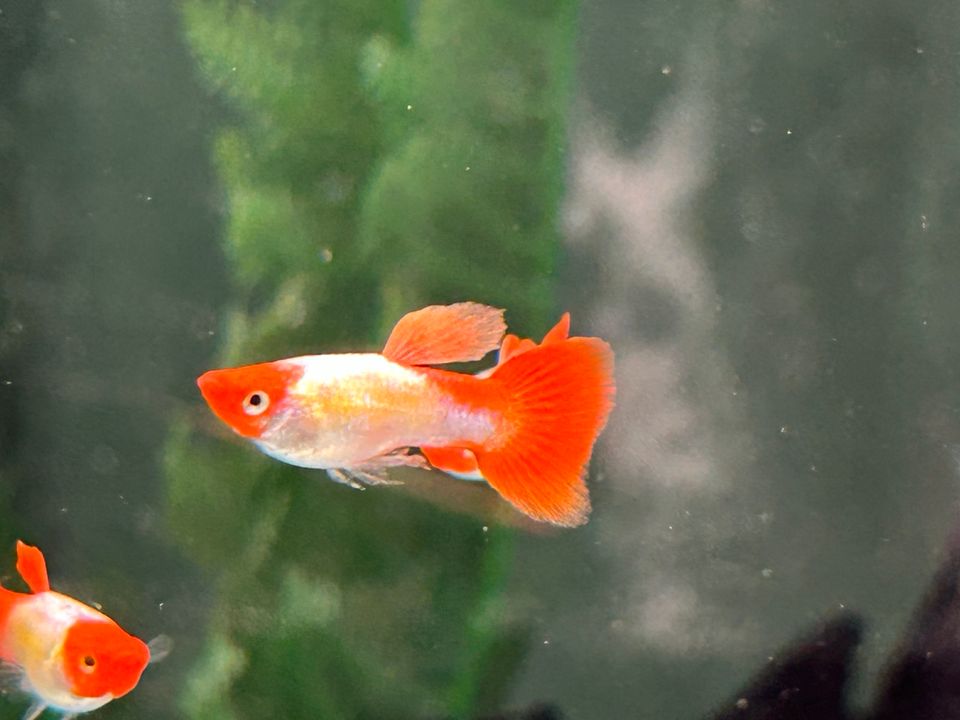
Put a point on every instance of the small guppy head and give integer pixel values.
(100, 658)
(246, 398)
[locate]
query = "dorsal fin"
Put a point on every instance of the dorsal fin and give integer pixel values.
(32, 567)
(441, 334)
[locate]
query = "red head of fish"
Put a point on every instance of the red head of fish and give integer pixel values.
(246, 398)
(100, 657)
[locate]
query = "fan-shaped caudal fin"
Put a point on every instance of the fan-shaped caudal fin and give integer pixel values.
(441, 334)
(32, 567)
(558, 398)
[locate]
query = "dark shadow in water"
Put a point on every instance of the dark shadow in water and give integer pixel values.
(809, 679)
(922, 681)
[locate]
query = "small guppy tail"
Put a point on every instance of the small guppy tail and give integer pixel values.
(33, 569)
(8, 599)
(559, 395)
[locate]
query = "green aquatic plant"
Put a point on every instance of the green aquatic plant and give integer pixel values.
(378, 156)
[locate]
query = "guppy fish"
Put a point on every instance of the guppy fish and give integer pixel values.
(66, 655)
(526, 426)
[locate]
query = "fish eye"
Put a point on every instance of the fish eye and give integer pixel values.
(256, 402)
(89, 662)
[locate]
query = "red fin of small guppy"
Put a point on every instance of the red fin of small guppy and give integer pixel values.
(8, 600)
(441, 334)
(32, 567)
(559, 395)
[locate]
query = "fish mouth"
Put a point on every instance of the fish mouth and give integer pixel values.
(207, 383)
(213, 389)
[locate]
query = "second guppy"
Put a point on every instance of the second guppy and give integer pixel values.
(64, 654)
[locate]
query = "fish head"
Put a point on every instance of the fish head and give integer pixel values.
(247, 398)
(100, 658)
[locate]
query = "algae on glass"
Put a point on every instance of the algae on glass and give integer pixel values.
(379, 156)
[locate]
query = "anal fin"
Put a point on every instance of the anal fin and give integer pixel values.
(459, 462)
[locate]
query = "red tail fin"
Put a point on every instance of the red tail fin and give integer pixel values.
(559, 395)
(8, 599)
(33, 569)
